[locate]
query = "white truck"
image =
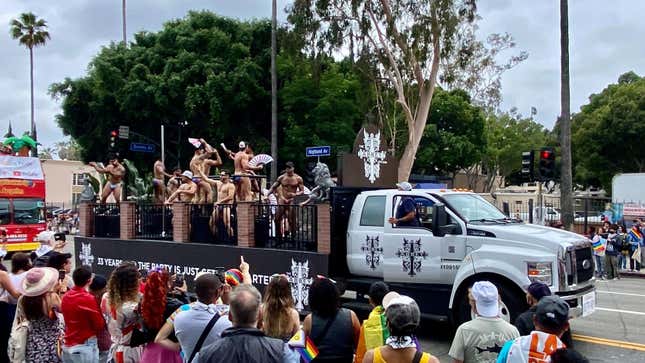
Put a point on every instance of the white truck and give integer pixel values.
(461, 238)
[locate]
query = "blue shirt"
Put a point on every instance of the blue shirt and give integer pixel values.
(407, 205)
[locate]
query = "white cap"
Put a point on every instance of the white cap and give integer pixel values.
(394, 298)
(486, 299)
(187, 174)
(242, 145)
(405, 186)
(45, 237)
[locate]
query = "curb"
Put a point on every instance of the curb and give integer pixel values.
(634, 274)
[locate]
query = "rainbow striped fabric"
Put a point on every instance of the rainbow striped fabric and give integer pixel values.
(304, 346)
(635, 234)
(599, 246)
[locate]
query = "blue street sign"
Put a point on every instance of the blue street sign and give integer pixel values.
(142, 148)
(317, 151)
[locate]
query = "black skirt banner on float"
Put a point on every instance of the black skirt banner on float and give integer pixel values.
(103, 255)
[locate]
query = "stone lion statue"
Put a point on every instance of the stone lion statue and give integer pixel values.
(322, 178)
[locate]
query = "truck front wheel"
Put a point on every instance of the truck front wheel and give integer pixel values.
(513, 303)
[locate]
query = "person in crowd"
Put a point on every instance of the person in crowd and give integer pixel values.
(192, 321)
(374, 330)
(48, 247)
(243, 342)
(480, 339)
(567, 355)
(97, 288)
(599, 247)
(551, 321)
(120, 304)
(83, 320)
(334, 330)
(62, 262)
(406, 212)
(40, 306)
(186, 191)
(116, 173)
(403, 316)
(279, 318)
(9, 293)
(635, 238)
(614, 245)
(157, 306)
(625, 247)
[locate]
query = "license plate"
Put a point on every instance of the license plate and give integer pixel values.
(588, 303)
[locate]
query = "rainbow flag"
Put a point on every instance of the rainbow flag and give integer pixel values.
(635, 234)
(304, 346)
(599, 246)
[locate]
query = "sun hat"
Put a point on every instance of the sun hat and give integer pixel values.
(552, 312)
(405, 186)
(486, 299)
(538, 290)
(39, 280)
(188, 174)
(233, 277)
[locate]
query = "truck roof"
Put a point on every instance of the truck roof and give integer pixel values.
(419, 191)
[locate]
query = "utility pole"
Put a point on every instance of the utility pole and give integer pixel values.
(274, 92)
(125, 39)
(566, 182)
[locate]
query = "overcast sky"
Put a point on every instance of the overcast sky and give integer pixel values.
(606, 40)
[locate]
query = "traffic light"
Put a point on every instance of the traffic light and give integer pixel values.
(114, 135)
(528, 158)
(547, 164)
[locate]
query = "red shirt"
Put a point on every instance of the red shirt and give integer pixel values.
(83, 318)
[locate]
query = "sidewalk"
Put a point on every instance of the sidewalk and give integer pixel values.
(637, 274)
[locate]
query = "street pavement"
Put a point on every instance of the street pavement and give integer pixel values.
(615, 332)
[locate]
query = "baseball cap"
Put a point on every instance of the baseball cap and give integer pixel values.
(402, 313)
(405, 186)
(187, 174)
(538, 290)
(552, 312)
(242, 145)
(486, 299)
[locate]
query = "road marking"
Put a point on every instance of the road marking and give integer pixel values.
(620, 293)
(621, 311)
(609, 342)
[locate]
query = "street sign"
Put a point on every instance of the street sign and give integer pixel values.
(317, 151)
(142, 148)
(124, 132)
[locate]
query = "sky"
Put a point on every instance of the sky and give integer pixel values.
(606, 40)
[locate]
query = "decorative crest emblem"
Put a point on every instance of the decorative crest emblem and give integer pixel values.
(372, 155)
(300, 282)
(373, 251)
(86, 257)
(411, 256)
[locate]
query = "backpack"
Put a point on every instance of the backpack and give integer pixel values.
(18, 340)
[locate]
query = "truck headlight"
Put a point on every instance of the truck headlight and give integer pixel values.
(540, 272)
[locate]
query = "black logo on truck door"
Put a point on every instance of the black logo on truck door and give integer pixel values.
(411, 256)
(373, 251)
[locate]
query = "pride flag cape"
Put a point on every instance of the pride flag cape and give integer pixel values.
(598, 246)
(304, 346)
(635, 234)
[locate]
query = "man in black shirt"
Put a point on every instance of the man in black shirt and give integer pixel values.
(406, 212)
(524, 322)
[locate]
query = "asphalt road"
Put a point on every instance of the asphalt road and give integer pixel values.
(615, 332)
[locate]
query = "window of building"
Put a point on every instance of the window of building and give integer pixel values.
(78, 179)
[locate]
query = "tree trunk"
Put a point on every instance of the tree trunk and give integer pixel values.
(33, 123)
(274, 94)
(566, 182)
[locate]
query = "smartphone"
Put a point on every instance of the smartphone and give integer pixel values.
(179, 280)
(61, 275)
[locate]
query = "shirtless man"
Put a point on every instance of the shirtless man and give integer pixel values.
(174, 181)
(225, 197)
(197, 164)
(158, 181)
(186, 191)
(291, 185)
(242, 167)
(115, 172)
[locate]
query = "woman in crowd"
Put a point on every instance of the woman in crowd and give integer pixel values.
(40, 305)
(9, 293)
(334, 330)
(157, 305)
(279, 317)
(62, 262)
(599, 241)
(120, 305)
(403, 317)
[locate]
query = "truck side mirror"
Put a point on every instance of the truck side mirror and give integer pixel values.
(440, 226)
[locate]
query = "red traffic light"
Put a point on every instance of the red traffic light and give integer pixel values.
(114, 133)
(546, 154)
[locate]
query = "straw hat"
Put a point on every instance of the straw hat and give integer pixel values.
(39, 280)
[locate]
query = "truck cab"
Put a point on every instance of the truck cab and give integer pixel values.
(461, 238)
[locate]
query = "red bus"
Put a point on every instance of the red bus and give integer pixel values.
(22, 201)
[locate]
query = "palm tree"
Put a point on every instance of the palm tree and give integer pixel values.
(566, 182)
(30, 32)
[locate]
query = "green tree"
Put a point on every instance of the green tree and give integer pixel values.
(68, 150)
(30, 32)
(607, 133)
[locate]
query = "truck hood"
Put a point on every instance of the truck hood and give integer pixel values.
(531, 233)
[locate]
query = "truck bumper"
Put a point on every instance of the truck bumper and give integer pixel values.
(22, 246)
(575, 299)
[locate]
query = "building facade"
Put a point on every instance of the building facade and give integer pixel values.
(64, 181)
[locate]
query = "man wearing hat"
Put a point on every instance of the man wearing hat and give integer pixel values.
(241, 162)
(186, 191)
(551, 321)
(406, 213)
(481, 339)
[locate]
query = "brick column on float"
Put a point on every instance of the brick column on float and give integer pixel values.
(323, 215)
(86, 220)
(245, 224)
(127, 211)
(180, 222)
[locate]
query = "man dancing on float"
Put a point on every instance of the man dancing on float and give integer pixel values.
(115, 172)
(291, 186)
(241, 161)
(158, 181)
(186, 191)
(225, 197)
(199, 161)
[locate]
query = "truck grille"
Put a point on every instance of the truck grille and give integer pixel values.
(582, 259)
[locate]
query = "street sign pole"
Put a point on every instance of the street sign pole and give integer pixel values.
(163, 147)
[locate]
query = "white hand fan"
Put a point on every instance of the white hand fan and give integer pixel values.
(195, 142)
(260, 159)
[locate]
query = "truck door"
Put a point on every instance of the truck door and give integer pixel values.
(412, 253)
(365, 252)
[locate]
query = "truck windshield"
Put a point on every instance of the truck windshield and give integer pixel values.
(5, 218)
(474, 208)
(28, 211)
